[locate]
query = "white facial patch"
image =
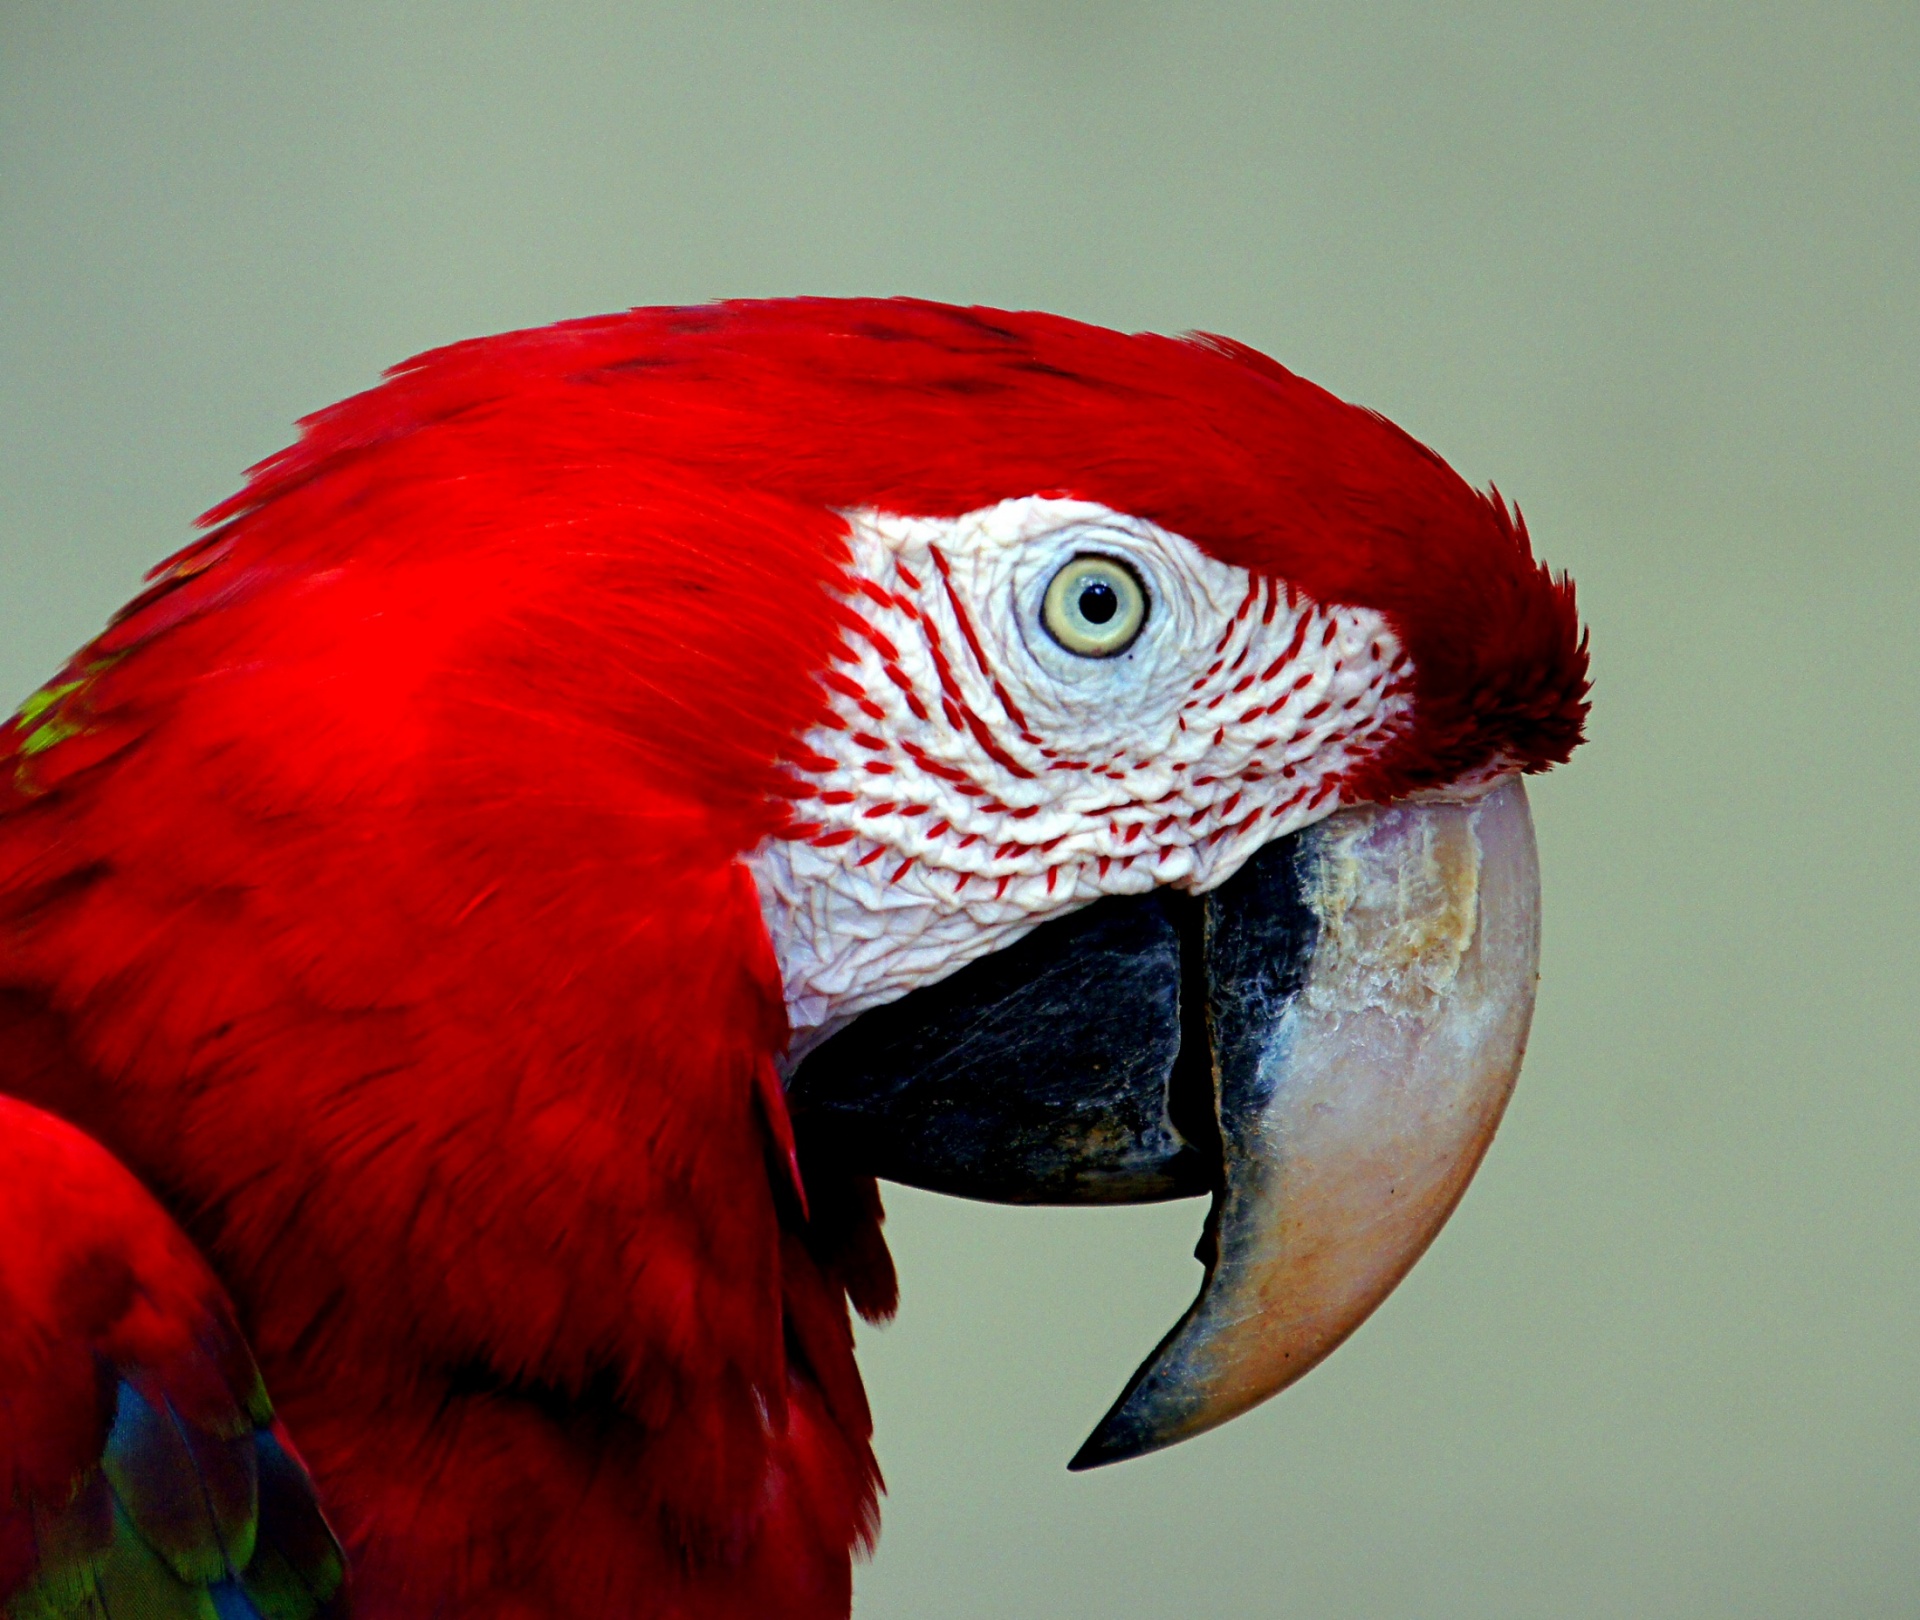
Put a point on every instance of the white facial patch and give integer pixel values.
(980, 778)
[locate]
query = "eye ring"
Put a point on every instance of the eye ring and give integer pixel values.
(1095, 606)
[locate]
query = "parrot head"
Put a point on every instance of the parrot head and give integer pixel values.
(1164, 834)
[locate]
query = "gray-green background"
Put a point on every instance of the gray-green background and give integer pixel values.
(1650, 267)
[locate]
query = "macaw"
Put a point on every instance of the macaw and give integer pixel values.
(475, 929)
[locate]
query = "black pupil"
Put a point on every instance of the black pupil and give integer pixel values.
(1098, 601)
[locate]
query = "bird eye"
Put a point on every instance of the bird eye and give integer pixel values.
(1095, 606)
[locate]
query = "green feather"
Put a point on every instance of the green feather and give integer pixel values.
(45, 698)
(137, 1584)
(74, 1543)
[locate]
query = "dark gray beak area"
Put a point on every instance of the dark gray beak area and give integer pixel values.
(1048, 1073)
(1324, 1044)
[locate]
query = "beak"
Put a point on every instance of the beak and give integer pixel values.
(1325, 1043)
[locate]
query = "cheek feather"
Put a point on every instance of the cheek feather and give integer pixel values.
(965, 792)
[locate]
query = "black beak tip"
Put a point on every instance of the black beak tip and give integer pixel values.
(1097, 1451)
(1136, 1424)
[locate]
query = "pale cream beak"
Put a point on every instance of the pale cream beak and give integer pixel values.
(1357, 1084)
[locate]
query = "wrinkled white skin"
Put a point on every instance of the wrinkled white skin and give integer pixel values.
(1229, 722)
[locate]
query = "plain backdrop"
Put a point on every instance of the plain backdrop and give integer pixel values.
(1652, 268)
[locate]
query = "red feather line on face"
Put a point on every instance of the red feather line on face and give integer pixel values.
(376, 877)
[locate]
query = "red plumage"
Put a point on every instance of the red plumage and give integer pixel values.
(371, 888)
